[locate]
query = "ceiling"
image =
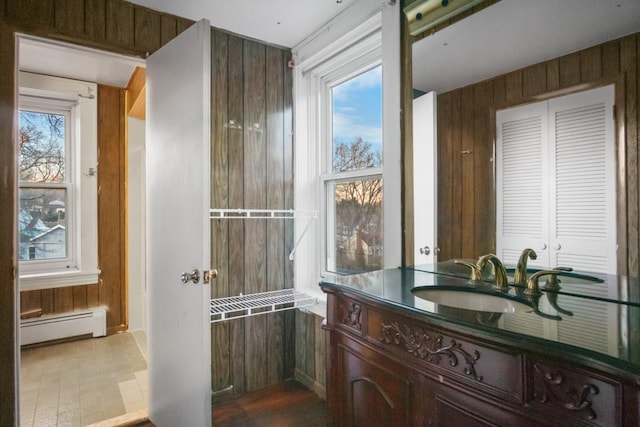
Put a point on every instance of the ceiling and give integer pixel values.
(512, 34)
(506, 36)
(279, 22)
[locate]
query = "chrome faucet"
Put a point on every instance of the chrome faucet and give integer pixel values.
(520, 276)
(502, 283)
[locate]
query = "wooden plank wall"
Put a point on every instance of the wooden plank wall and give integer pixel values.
(8, 227)
(251, 168)
(466, 122)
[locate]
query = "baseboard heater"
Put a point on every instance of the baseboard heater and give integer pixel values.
(64, 325)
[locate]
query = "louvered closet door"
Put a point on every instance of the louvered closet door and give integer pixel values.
(583, 188)
(556, 181)
(521, 192)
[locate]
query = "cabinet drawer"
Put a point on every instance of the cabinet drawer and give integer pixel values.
(448, 358)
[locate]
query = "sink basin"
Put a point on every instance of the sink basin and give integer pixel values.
(472, 300)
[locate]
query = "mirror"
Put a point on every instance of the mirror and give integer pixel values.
(478, 55)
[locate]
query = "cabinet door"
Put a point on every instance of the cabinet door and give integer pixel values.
(374, 391)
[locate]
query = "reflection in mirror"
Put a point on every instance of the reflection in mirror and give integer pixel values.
(511, 53)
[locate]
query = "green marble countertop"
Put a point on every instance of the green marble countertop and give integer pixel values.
(596, 320)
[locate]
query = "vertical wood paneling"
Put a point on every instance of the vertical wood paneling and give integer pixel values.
(111, 208)
(534, 80)
(95, 12)
(30, 301)
(221, 374)
(48, 300)
(483, 123)
(236, 199)
(93, 295)
(183, 24)
(120, 23)
(79, 297)
(570, 70)
(591, 64)
(629, 64)
(465, 157)
(168, 29)
(445, 177)
(513, 85)
(69, 16)
(276, 260)
(553, 75)
(147, 30)
(255, 174)
(289, 316)
(32, 13)
(63, 300)
(8, 226)
(456, 177)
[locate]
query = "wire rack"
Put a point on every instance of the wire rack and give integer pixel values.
(237, 307)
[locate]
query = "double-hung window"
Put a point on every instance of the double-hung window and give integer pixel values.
(347, 148)
(352, 177)
(57, 182)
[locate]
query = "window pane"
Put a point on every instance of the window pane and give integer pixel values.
(357, 122)
(358, 226)
(42, 223)
(42, 147)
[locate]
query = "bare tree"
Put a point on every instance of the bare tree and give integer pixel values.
(42, 156)
(358, 205)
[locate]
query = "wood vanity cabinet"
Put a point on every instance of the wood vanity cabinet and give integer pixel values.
(391, 367)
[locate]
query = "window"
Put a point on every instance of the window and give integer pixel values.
(347, 147)
(57, 218)
(353, 175)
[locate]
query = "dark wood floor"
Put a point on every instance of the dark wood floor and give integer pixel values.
(288, 404)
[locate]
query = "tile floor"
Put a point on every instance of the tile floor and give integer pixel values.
(83, 382)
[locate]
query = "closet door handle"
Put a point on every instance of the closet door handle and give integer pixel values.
(194, 276)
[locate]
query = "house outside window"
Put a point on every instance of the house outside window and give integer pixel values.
(57, 184)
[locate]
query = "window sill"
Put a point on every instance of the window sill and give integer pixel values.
(35, 281)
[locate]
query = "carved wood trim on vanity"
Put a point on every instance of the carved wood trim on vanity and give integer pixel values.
(431, 348)
(454, 373)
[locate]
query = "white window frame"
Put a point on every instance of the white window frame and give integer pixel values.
(78, 99)
(348, 46)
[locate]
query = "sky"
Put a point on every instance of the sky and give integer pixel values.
(357, 109)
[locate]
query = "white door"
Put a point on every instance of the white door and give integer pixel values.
(424, 179)
(556, 181)
(178, 239)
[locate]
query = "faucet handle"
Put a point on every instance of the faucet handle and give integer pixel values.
(553, 283)
(476, 274)
(532, 284)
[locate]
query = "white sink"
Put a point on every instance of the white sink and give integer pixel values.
(470, 300)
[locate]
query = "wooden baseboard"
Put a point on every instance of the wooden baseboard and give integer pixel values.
(310, 383)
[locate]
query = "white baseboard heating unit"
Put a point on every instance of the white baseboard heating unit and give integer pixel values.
(65, 325)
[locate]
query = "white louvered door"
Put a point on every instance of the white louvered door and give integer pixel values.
(522, 199)
(583, 221)
(556, 181)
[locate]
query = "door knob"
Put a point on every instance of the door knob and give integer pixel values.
(557, 246)
(194, 276)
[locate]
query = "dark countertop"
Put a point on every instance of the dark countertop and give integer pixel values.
(596, 321)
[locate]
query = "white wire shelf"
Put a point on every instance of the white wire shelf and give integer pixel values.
(267, 214)
(237, 307)
(261, 214)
